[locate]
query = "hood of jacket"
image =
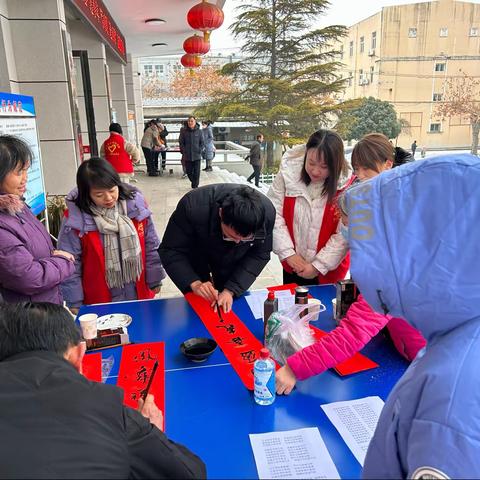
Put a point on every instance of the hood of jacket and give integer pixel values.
(11, 204)
(137, 208)
(412, 244)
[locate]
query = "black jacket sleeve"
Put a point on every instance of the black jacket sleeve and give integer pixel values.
(181, 140)
(153, 455)
(176, 246)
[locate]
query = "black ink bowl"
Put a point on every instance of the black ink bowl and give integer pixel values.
(198, 349)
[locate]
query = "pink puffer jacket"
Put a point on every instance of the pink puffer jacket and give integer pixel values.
(358, 327)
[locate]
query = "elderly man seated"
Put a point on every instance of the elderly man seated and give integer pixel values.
(57, 424)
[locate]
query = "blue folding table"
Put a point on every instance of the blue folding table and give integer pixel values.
(209, 410)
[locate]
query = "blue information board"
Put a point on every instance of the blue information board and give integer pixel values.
(17, 117)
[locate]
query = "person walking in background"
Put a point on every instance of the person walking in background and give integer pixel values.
(163, 134)
(30, 268)
(150, 140)
(306, 237)
(191, 146)
(120, 153)
(255, 157)
(414, 148)
(209, 150)
(66, 425)
(109, 230)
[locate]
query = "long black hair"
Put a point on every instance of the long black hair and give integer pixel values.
(14, 153)
(329, 145)
(98, 173)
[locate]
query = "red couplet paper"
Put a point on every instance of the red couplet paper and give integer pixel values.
(136, 366)
(357, 363)
(238, 344)
(92, 366)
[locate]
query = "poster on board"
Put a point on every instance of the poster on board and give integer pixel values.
(17, 117)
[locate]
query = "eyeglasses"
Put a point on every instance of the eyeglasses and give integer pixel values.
(248, 239)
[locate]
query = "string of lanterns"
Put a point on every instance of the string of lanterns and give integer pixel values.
(204, 17)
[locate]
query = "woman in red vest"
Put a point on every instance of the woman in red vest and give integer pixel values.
(109, 229)
(120, 153)
(306, 236)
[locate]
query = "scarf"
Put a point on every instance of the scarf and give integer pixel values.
(123, 254)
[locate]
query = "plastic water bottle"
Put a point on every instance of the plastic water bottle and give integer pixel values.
(264, 379)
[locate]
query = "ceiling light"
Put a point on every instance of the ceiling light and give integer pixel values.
(154, 21)
(159, 44)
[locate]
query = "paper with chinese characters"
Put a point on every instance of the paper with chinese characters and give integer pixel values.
(237, 342)
(136, 367)
(298, 453)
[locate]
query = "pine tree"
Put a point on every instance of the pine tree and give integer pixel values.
(287, 79)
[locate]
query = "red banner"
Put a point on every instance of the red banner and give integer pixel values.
(238, 344)
(92, 366)
(136, 366)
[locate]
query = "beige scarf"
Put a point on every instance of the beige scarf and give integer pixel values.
(123, 254)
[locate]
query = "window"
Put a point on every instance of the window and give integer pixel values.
(434, 128)
(362, 44)
(360, 75)
(374, 40)
(444, 32)
(437, 97)
(158, 69)
(412, 32)
(148, 70)
(351, 49)
(474, 32)
(439, 67)
(341, 52)
(371, 74)
(350, 81)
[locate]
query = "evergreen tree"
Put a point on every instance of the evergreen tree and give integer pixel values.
(287, 78)
(371, 115)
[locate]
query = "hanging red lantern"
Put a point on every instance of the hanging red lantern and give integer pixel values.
(191, 61)
(205, 17)
(196, 45)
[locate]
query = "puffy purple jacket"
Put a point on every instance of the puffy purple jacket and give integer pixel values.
(28, 270)
(358, 327)
(79, 222)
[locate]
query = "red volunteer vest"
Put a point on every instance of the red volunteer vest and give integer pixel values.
(94, 283)
(115, 153)
(327, 229)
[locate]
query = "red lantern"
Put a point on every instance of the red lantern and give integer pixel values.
(205, 17)
(196, 45)
(191, 61)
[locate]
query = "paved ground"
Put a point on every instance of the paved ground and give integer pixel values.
(163, 194)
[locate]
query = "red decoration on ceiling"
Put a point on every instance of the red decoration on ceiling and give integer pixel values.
(205, 17)
(191, 61)
(196, 45)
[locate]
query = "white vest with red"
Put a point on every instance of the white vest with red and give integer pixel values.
(331, 217)
(116, 154)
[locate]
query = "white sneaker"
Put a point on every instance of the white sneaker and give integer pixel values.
(184, 175)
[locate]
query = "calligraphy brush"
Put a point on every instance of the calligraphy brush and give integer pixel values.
(154, 370)
(219, 312)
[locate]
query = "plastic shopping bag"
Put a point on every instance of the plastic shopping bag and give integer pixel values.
(289, 330)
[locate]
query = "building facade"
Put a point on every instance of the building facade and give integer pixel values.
(404, 54)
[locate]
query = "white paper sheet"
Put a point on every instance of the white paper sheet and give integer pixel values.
(356, 421)
(294, 454)
(257, 298)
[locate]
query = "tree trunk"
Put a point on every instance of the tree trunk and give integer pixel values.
(270, 157)
(475, 132)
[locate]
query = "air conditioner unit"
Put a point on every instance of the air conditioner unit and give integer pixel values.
(223, 129)
(366, 81)
(371, 52)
